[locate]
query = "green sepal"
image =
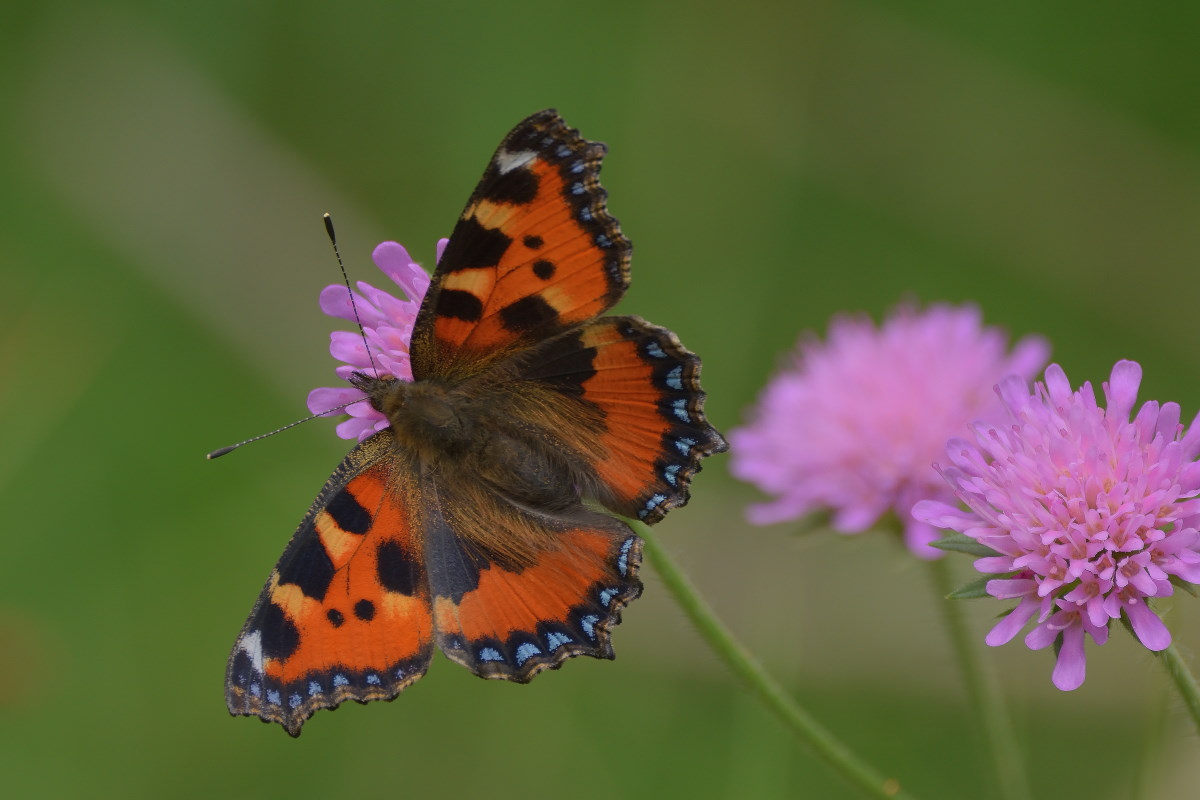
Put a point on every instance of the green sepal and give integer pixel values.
(973, 590)
(961, 543)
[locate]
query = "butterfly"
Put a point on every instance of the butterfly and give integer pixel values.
(472, 523)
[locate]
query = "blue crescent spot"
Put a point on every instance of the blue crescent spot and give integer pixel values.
(685, 445)
(373, 680)
(340, 680)
(563, 151)
(585, 214)
(623, 560)
(525, 652)
(606, 596)
(400, 673)
(653, 349)
(670, 473)
(490, 654)
(675, 378)
(255, 690)
(295, 700)
(651, 504)
(555, 640)
(680, 407)
(576, 188)
(603, 240)
(273, 697)
(577, 167)
(588, 624)
(314, 688)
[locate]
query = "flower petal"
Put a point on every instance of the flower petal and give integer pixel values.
(395, 262)
(1011, 625)
(387, 323)
(1070, 669)
(1147, 625)
(1122, 388)
(330, 402)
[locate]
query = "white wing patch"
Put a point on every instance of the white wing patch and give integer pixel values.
(251, 645)
(506, 162)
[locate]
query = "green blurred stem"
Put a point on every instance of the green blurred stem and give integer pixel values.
(1184, 680)
(983, 688)
(802, 725)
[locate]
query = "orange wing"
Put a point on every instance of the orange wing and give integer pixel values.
(652, 432)
(513, 618)
(534, 252)
(346, 613)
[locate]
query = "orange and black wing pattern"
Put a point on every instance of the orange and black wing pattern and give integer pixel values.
(511, 618)
(533, 261)
(534, 252)
(647, 429)
(346, 614)
(487, 544)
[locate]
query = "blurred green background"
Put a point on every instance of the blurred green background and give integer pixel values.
(163, 169)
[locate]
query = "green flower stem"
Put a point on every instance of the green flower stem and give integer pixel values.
(1185, 682)
(983, 689)
(802, 725)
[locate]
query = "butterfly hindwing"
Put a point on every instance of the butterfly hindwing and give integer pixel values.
(513, 621)
(649, 432)
(534, 252)
(346, 613)
(519, 586)
(513, 625)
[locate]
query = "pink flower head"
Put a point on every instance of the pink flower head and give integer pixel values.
(387, 322)
(854, 424)
(1089, 513)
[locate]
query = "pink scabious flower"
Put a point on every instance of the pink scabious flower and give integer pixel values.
(854, 424)
(1088, 513)
(387, 322)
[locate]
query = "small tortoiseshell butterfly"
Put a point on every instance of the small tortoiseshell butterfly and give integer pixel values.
(468, 523)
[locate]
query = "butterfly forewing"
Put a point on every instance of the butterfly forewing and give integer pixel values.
(534, 252)
(346, 613)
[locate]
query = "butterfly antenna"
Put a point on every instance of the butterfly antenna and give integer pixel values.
(349, 291)
(220, 451)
